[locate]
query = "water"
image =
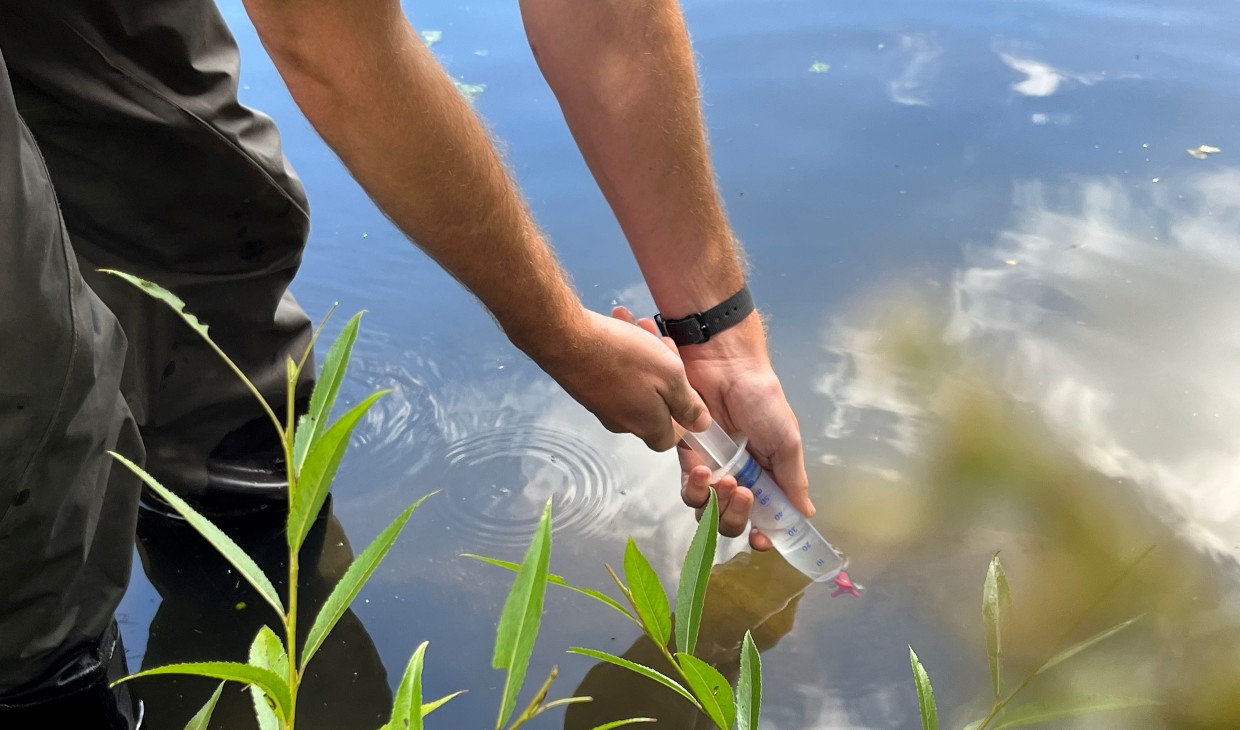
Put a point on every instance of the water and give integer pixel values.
(1019, 170)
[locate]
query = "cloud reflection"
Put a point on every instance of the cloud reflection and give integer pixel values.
(1042, 79)
(1113, 312)
(911, 87)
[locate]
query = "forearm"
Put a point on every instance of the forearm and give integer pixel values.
(377, 96)
(624, 74)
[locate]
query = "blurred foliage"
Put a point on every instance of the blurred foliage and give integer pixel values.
(988, 469)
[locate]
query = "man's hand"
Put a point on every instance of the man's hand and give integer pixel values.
(627, 379)
(744, 395)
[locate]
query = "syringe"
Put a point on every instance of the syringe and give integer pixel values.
(790, 531)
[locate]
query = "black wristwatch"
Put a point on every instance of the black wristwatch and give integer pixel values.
(701, 326)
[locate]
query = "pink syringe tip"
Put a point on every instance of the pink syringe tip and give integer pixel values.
(844, 585)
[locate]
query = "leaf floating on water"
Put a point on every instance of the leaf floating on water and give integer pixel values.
(432, 37)
(818, 67)
(1202, 151)
(469, 91)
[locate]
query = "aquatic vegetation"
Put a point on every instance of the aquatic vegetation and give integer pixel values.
(702, 685)
(996, 603)
(975, 467)
(313, 451)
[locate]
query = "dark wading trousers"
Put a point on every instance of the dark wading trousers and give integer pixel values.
(122, 145)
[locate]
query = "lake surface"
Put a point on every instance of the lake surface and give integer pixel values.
(1018, 172)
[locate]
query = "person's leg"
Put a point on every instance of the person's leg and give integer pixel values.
(67, 510)
(162, 173)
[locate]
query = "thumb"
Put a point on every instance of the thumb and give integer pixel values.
(788, 468)
(687, 407)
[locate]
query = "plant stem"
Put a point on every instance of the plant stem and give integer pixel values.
(275, 420)
(1001, 704)
(290, 623)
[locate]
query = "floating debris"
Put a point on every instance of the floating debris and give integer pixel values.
(1203, 151)
(469, 91)
(482, 52)
(432, 37)
(1011, 262)
(818, 67)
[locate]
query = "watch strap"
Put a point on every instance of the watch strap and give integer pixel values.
(701, 326)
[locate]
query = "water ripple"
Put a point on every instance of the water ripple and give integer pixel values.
(498, 480)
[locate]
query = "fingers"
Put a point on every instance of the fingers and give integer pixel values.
(695, 492)
(734, 501)
(788, 468)
(623, 314)
(683, 403)
(759, 541)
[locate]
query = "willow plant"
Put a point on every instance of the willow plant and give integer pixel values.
(699, 683)
(1003, 713)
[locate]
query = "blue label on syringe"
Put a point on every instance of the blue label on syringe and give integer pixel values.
(748, 474)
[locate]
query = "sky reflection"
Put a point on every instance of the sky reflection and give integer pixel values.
(1111, 309)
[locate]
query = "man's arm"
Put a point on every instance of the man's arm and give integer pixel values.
(624, 74)
(372, 89)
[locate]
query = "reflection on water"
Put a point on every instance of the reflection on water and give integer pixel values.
(1071, 401)
(1042, 79)
(920, 54)
(1113, 312)
(208, 613)
(500, 444)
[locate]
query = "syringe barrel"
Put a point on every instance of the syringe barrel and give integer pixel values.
(790, 532)
(714, 445)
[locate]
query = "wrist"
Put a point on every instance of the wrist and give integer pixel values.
(744, 343)
(700, 327)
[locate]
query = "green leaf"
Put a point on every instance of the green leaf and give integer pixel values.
(1081, 646)
(711, 688)
(265, 679)
(223, 544)
(319, 470)
(559, 581)
(165, 296)
(641, 669)
(178, 305)
(622, 723)
(649, 598)
(996, 600)
(975, 724)
(430, 707)
(749, 686)
(695, 577)
(351, 582)
(1036, 712)
(202, 718)
(522, 614)
(562, 701)
(409, 694)
(326, 388)
(925, 694)
(267, 652)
